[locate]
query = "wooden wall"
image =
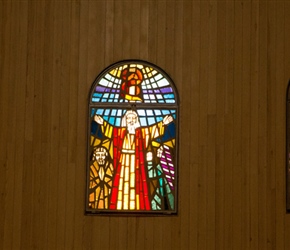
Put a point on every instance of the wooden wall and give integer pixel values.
(230, 61)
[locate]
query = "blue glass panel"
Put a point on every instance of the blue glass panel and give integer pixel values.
(92, 112)
(159, 118)
(151, 120)
(169, 96)
(143, 121)
(157, 112)
(112, 120)
(141, 112)
(165, 112)
(97, 95)
(95, 99)
(119, 112)
(149, 112)
(118, 122)
(99, 112)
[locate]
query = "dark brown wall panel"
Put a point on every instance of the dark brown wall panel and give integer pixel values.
(230, 61)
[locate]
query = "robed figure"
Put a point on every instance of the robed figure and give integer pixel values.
(100, 184)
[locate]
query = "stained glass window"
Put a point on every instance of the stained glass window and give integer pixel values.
(132, 141)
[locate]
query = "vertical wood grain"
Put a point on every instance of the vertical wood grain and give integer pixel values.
(220, 191)
(245, 123)
(186, 81)
(177, 74)
(72, 125)
(286, 79)
(18, 118)
(230, 63)
(271, 122)
(253, 174)
(262, 125)
(194, 77)
(229, 134)
(280, 138)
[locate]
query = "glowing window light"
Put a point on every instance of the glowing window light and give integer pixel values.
(133, 112)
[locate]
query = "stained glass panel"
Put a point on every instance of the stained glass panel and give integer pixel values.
(132, 141)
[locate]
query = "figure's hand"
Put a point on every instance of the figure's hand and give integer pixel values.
(98, 119)
(149, 156)
(159, 151)
(167, 119)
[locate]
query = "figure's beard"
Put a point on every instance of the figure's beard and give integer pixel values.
(101, 162)
(131, 129)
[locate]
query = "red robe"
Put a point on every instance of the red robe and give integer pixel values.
(141, 199)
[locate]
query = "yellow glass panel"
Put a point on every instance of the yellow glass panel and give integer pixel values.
(132, 194)
(126, 201)
(91, 197)
(137, 202)
(119, 205)
(106, 144)
(132, 180)
(132, 166)
(120, 195)
(155, 144)
(170, 143)
(122, 171)
(97, 192)
(132, 205)
(126, 174)
(126, 188)
(127, 160)
(92, 140)
(113, 72)
(121, 183)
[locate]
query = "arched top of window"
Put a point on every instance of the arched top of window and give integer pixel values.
(133, 81)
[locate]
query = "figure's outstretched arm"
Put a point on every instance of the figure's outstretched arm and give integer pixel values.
(102, 127)
(158, 128)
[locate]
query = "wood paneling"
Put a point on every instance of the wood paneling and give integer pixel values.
(230, 61)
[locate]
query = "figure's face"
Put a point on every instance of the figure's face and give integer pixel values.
(100, 156)
(131, 120)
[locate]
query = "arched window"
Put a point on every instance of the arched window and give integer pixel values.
(132, 140)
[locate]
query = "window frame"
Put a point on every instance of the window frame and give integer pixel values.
(133, 106)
